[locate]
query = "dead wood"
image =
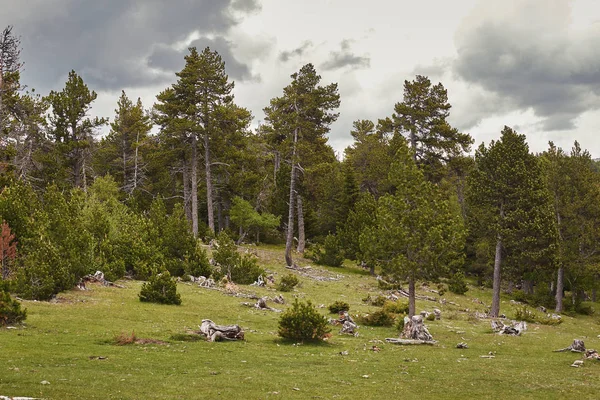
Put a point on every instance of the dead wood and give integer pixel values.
(215, 333)
(415, 329)
(98, 277)
(406, 342)
(576, 347)
(514, 329)
(261, 304)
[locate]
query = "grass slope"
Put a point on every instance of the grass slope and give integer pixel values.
(70, 344)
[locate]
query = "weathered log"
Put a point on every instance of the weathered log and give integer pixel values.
(576, 347)
(98, 277)
(214, 332)
(515, 329)
(261, 304)
(279, 299)
(415, 329)
(405, 342)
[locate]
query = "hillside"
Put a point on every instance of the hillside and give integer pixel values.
(69, 342)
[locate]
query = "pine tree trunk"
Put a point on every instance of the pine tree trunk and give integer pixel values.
(560, 278)
(290, 227)
(209, 189)
(496, 285)
(135, 163)
(301, 234)
(124, 155)
(187, 204)
(411, 296)
(277, 163)
(194, 178)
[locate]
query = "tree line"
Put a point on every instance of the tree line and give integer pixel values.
(408, 200)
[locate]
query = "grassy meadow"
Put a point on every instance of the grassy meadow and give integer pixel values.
(66, 349)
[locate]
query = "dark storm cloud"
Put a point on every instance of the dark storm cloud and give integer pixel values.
(284, 56)
(111, 43)
(531, 60)
(345, 58)
(169, 59)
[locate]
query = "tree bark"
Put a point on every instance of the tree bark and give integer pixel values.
(301, 234)
(135, 163)
(124, 155)
(187, 204)
(290, 227)
(560, 287)
(411, 296)
(496, 285)
(209, 188)
(194, 186)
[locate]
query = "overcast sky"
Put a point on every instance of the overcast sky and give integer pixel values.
(531, 64)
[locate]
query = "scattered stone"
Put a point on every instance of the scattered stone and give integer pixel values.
(344, 353)
(44, 382)
(577, 363)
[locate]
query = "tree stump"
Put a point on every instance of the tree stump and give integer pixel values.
(215, 333)
(415, 329)
(348, 324)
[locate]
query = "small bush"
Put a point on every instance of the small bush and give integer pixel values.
(378, 301)
(386, 285)
(399, 324)
(197, 264)
(377, 318)
(457, 283)
(160, 288)
(329, 253)
(525, 314)
(338, 306)
(10, 310)
(123, 339)
(288, 283)
(430, 317)
(242, 269)
(303, 322)
(396, 307)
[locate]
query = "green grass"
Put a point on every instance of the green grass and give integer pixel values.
(70, 344)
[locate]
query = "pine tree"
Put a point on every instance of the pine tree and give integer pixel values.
(121, 152)
(299, 121)
(422, 119)
(575, 189)
(72, 129)
(191, 109)
(508, 190)
(416, 235)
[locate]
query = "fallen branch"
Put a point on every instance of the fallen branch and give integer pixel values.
(261, 304)
(515, 329)
(410, 341)
(98, 277)
(576, 347)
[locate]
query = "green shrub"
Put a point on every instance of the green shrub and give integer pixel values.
(242, 269)
(10, 310)
(399, 324)
(197, 264)
(338, 306)
(377, 318)
(378, 301)
(525, 314)
(302, 321)
(457, 283)
(387, 285)
(160, 288)
(430, 317)
(396, 307)
(287, 283)
(329, 253)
